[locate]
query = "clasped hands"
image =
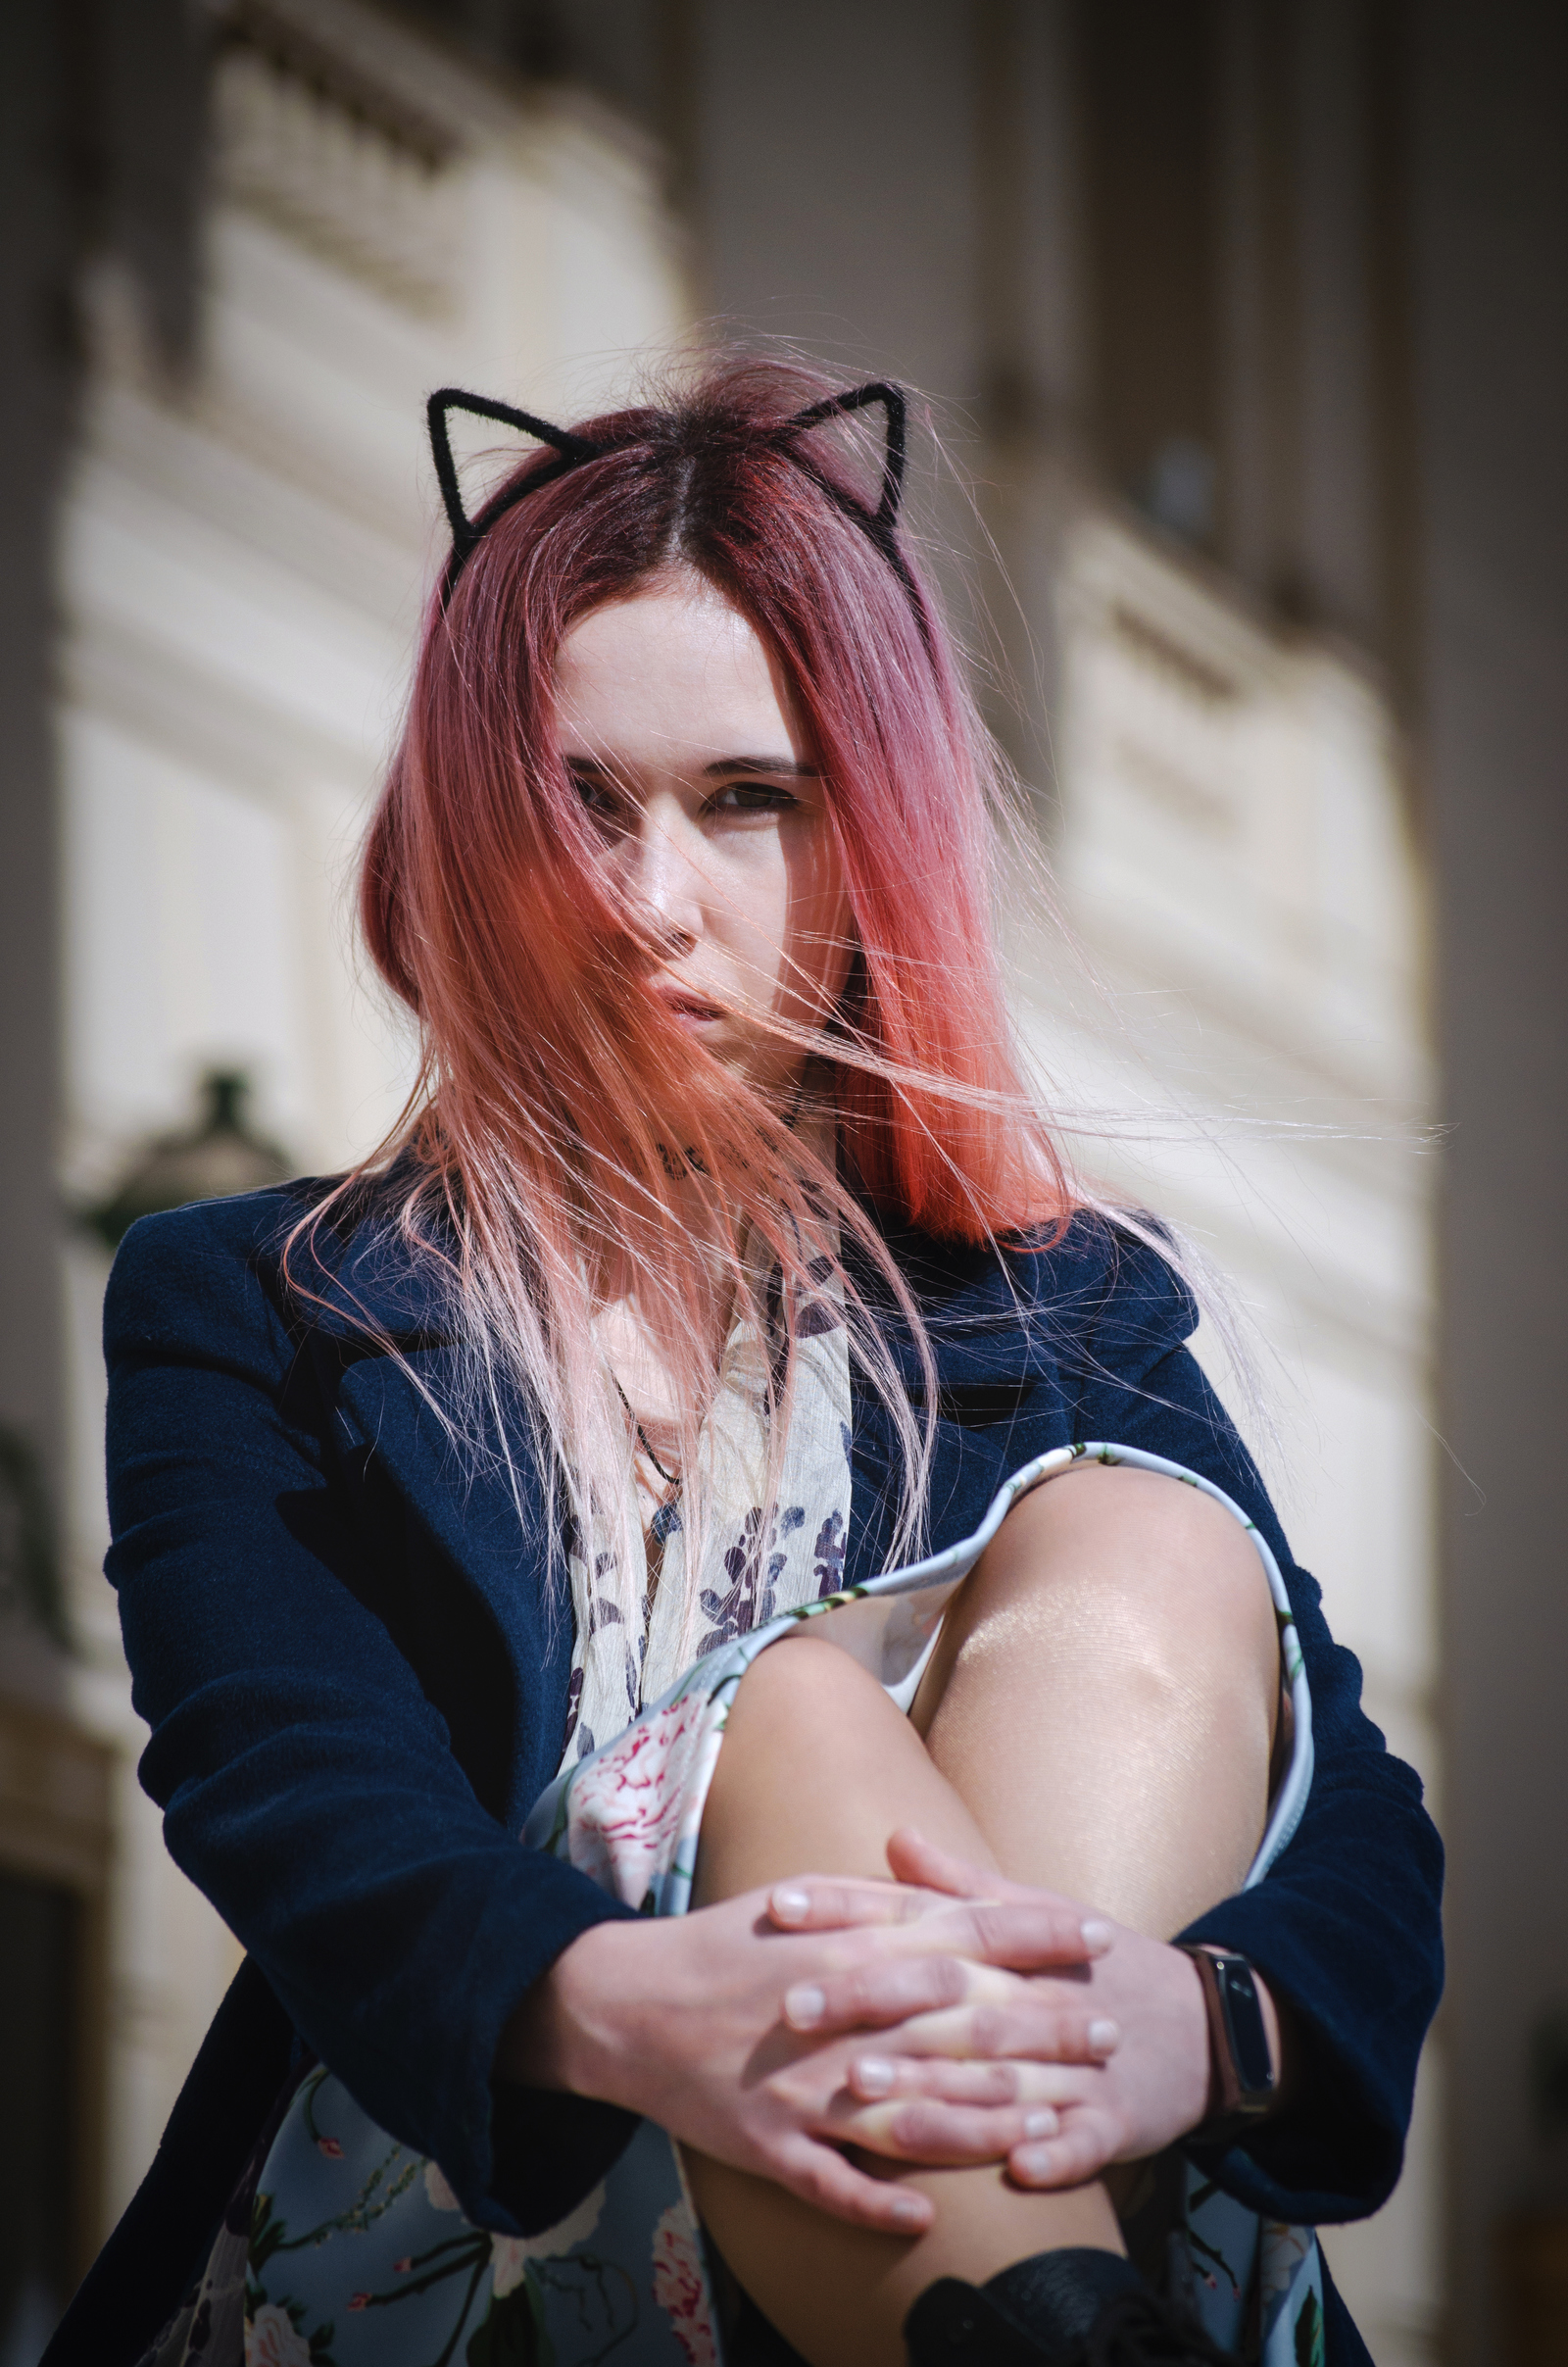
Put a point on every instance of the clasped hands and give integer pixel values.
(1011, 2025)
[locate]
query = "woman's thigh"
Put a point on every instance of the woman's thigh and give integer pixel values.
(1104, 1695)
(818, 1766)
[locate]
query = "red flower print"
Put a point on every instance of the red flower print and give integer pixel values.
(679, 2287)
(273, 2339)
(623, 1807)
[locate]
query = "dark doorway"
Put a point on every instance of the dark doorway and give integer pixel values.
(40, 1972)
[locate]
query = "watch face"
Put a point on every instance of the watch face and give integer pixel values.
(1244, 2018)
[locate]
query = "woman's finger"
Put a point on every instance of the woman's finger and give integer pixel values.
(916, 1861)
(1011, 1926)
(1086, 2142)
(1006, 2028)
(949, 2007)
(920, 1864)
(821, 2175)
(820, 1903)
(874, 2079)
(874, 1995)
(942, 2135)
(1013, 1939)
(1031, 1933)
(880, 1990)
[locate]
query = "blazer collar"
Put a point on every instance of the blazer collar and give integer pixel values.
(482, 1500)
(994, 1316)
(996, 1321)
(987, 1311)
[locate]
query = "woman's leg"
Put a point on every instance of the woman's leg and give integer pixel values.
(1116, 1644)
(824, 1768)
(1104, 1695)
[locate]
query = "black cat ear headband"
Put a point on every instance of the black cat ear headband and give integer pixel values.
(573, 449)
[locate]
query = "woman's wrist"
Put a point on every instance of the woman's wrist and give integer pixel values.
(561, 2033)
(1240, 2011)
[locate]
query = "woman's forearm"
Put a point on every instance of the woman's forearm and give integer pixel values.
(560, 2035)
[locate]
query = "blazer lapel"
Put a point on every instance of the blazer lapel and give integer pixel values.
(483, 1511)
(493, 1537)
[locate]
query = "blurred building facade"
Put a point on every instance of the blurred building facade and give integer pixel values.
(1158, 265)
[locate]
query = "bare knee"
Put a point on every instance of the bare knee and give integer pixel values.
(1165, 1579)
(806, 1712)
(1120, 1632)
(804, 1683)
(818, 1767)
(1189, 1572)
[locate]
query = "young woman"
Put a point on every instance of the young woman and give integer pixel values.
(988, 1975)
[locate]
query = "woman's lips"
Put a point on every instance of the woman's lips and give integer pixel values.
(693, 1008)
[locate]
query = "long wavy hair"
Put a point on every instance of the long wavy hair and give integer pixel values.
(535, 1143)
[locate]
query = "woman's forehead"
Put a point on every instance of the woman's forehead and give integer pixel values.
(675, 666)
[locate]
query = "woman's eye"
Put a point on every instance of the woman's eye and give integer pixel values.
(600, 800)
(753, 796)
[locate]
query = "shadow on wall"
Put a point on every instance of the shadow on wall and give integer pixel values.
(101, 166)
(102, 145)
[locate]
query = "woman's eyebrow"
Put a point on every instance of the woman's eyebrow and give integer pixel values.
(724, 768)
(762, 763)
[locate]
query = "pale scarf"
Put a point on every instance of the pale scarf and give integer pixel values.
(758, 1559)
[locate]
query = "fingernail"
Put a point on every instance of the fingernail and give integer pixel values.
(1029, 2161)
(873, 2076)
(1097, 1936)
(907, 2211)
(1103, 2037)
(791, 1906)
(1040, 2123)
(804, 2007)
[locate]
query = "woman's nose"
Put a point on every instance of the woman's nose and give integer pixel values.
(665, 877)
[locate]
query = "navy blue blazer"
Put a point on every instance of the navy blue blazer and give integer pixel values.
(341, 1638)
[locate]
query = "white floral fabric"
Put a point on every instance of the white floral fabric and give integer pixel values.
(755, 1562)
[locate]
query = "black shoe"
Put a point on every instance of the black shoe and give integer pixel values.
(1142, 2329)
(958, 2325)
(1072, 2309)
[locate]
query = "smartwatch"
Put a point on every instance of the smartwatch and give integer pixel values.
(1241, 2081)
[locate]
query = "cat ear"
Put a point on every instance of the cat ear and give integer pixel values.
(894, 409)
(467, 531)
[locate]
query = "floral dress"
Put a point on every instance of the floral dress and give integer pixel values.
(355, 2252)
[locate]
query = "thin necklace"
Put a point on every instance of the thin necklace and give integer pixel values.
(671, 1479)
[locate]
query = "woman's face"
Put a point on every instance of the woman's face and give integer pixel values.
(677, 727)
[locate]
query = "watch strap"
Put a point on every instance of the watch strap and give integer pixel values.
(1237, 2097)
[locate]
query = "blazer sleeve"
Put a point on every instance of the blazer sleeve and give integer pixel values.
(309, 1788)
(1346, 1925)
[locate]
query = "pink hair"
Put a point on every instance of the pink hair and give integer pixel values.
(534, 1133)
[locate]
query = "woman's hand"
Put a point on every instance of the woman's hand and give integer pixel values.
(685, 2021)
(1148, 2090)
